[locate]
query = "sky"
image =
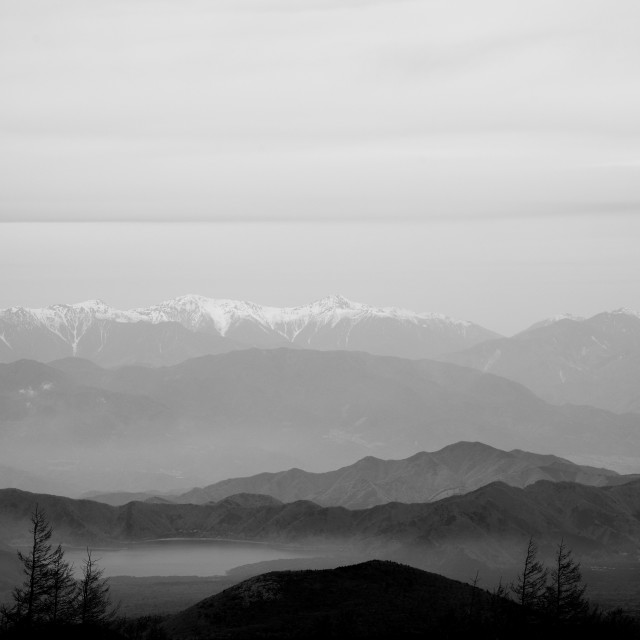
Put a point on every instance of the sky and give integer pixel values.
(475, 158)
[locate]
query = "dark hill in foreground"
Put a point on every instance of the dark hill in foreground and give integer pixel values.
(370, 600)
(374, 599)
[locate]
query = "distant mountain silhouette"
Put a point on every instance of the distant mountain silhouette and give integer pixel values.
(231, 414)
(489, 525)
(424, 477)
(594, 361)
(118, 498)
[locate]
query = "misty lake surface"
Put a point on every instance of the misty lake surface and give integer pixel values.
(181, 557)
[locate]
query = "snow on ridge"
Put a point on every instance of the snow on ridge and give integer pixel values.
(70, 322)
(197, 312)
(557, 318)
(625, 311)
(564, 316)
(340, 306)
(568, 316)
(64, 313)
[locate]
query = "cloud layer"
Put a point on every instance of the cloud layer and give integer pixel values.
(282, 110)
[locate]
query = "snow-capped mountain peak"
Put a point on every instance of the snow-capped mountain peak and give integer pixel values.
(59, 312)
(197, 312)
(333, 322)
(95, 306)
(67, 322)
(336, 301)
(554, 319)
(624, 311)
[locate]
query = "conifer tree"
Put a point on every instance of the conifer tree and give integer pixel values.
(530, 586)
(50, 594)
(565, 595)
(61, 602)
(29, 599)
(93, 594)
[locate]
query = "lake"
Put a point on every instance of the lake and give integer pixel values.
(193, 557)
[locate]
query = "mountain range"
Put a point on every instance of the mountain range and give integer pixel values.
(594, 361)
(193, 325)
(215, 417)
(424, 477)
(491, 524)
(564, 359)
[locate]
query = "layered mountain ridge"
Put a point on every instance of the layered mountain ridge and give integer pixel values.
(492, 523)
(563, 359)
(215, 417)
(424, 477)
(594, 361)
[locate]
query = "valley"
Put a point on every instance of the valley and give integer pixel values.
(170, 429)
(190, 475)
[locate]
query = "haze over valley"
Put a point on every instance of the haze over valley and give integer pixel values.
(319, 319)
(212, 417)
(221, 420)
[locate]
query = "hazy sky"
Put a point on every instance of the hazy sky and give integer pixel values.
(504, 274)
(475, 157)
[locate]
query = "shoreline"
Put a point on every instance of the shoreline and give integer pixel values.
(133, 543)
